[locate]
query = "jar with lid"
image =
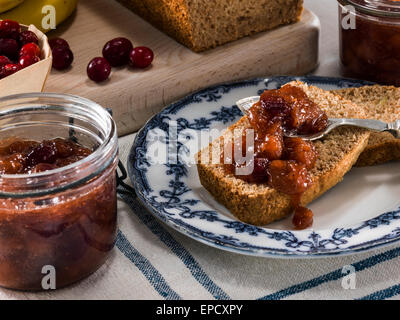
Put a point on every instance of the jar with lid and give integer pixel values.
(370, 40)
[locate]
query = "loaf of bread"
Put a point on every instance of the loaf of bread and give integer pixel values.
(381, 103)
(259, 204)
(204, 24)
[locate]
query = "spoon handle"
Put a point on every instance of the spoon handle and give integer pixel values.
(374, 125)
(394, 128)
(370, 124)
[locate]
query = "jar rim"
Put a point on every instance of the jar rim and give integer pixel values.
(105, 147)
(382, 8)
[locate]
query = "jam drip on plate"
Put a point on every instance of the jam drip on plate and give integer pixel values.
(19, 156)
(283, 163)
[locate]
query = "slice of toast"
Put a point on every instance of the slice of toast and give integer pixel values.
(381, 103)
(259, 204)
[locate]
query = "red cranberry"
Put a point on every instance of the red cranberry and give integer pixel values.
(9, 69)
(30, 49)
(9, 48)
(9, 29)
(141, 57)
(276, 106)
(58, 42)
(26, 61)
(62, 58)
(27, 37)
(4, 60)
(46, 152)
(315, 123)
(260, 171)
(117, 50)
(99, 69)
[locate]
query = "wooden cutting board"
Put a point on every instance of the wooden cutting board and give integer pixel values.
(136, 95)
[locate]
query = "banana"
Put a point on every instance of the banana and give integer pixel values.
(41, 12)
(6, 5)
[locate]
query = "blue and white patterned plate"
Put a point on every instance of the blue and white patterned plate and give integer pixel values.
(360, 213)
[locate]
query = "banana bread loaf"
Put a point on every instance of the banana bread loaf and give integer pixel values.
(204, 24)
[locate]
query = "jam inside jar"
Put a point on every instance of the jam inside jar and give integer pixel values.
(58, 220)
(369, 34)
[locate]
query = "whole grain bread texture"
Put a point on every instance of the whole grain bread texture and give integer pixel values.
(259, 204)
(381, 103)
(205, 24)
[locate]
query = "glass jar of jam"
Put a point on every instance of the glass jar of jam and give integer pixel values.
(58, 225)
(370, 40)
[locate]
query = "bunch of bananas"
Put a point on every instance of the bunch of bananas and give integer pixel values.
(35, 11)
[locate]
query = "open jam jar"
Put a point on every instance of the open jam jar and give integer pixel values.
(370, 40)
(59, 221)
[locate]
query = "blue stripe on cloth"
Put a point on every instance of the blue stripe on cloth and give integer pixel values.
(148, 270)
(383, 294)
(334, 275)
(189, 261)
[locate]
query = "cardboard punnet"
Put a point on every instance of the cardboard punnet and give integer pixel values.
(32, 78)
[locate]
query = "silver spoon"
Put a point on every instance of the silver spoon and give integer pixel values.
(375, 125)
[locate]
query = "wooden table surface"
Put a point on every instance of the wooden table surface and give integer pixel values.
(326, 10)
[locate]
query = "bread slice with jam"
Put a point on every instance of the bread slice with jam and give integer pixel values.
(258, 203)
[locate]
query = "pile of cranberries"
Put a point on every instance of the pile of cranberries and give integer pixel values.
(18, 49)
(116, 53)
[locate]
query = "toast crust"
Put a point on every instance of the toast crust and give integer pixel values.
(382, 148)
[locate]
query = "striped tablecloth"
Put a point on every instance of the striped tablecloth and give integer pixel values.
(152, 261)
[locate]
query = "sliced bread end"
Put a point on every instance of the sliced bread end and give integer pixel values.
(381, 103)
